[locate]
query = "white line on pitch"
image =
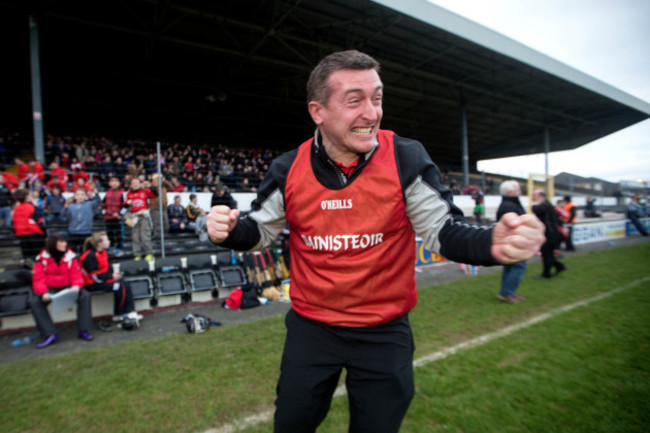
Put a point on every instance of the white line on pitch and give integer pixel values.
(252, 420)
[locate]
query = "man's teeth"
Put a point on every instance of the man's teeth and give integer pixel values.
(362, 131)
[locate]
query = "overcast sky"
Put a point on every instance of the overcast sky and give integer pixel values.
(607, 39)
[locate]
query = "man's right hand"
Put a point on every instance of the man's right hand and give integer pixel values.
(221, 221)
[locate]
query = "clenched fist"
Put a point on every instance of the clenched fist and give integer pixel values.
(221, 221)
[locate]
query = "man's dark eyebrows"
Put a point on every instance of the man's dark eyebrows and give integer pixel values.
(378, 88)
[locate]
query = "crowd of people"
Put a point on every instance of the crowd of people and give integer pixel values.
(127, 174)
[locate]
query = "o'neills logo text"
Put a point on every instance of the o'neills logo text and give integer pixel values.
(342, 242)
(336, 204)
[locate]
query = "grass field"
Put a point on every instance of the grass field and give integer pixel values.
(584, 370)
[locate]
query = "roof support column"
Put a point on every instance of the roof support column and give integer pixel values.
(547, 148)
(39, 148)
(465, 144)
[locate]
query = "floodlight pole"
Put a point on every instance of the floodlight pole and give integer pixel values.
(37, 109)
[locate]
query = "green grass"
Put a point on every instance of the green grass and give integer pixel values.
(587, 370)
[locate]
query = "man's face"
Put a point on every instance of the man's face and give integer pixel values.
(350, 121)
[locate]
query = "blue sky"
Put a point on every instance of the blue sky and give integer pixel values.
(607, 39)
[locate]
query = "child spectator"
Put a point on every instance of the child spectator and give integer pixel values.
(113, 208)
(99, 277)
(57, 268)
(79, 211)
(26, 220)
(177, 216)
(137, 198)
(54, 207)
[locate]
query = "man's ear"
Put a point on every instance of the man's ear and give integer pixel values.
(315, 112)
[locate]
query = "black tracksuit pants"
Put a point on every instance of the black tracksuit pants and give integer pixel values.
(379, 365)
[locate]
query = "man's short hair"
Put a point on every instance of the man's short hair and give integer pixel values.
(508, 186)
(192, 196)
(317, 88)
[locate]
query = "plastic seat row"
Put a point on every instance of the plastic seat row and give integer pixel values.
(172, 277)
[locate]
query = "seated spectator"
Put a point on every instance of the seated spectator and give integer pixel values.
(57, 268)
(590, 208)
(197, 217)
(222, 196)
(6, 202)
(23, 171)
(99, 277)
(58, 182)
(177, 186)
(59, 173)
(10, 180)
(37, 171)
(54, 206)
(177, 216)
(26, 222)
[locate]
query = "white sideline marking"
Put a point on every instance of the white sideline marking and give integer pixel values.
(252, 420)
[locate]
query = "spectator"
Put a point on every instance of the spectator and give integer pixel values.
(6, 202)
(54, 207)
(572, 217)
(113, 205)
(79, 212)
(633, 213)
(23, 171)
(546, 213)
(196, 217)
(590, 208)
(37, 171)
(137, 198)
(99, 277)
(10, 181)
(150, 164)
(58, 182)
(27, 225)
(58, 173)
(512, 274)
(222, 196)
(155, 206)
(57, 268)
(177, 216)
(177, 186)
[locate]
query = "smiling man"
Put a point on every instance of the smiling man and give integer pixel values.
(355, 196)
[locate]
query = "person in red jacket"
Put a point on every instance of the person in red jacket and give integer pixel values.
(57, 268)
(26, 219)
(99, 277)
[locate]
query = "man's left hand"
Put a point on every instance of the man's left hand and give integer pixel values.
(516, 238)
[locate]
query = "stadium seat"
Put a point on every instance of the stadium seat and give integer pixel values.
(138, 276)
(230, 275)
(200, 273)
(15, 291)
(169, 277)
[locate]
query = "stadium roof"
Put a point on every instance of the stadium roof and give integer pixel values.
(234, 72)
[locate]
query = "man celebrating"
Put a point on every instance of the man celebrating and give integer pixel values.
(354, 197)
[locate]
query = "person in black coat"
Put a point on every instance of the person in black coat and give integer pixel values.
(545, 211)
